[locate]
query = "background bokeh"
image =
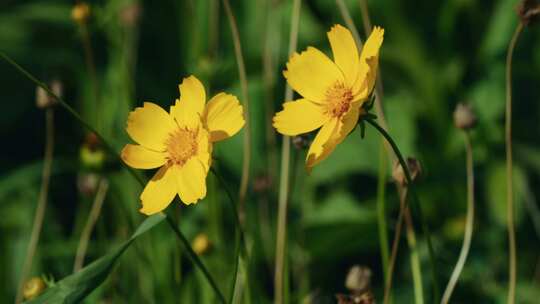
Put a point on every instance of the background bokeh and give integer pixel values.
(435, 54)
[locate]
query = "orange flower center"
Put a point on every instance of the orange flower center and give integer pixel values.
(338, 99)
(181, 146)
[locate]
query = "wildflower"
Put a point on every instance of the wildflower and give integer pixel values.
(80, 12)
(333, 91)
(201, 244)
(179, 143)
(33, 288)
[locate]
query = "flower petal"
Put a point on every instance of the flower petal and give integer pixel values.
(311, 73)
(204, 149)
(159, 192)
(223, 116)
(345, 52)
(300, 116)
(188, 110)
(150, 126)
(369, 62)
(139, 157)
(191, 181)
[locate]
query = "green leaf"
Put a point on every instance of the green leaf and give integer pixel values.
(74, 288)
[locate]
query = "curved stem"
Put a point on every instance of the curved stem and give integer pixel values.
(281, 237)
(509, 187)
(195, 259)
(468, 226)
(395, 245)
(247, 131)
(106, 144)
(90, 223)
(418, 207)
(381, 211)
(42, 201)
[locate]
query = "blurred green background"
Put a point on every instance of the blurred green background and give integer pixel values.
(435, 54)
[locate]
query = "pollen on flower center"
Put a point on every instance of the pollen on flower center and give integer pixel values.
(181, 146)
(338, 99)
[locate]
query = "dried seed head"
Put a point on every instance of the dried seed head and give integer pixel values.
(43, 99)
(300, 142)
(358, 279)
(80, 12)
(414, 168)
(33, 288)
(528, 11)
(464, 117)
(201, 244)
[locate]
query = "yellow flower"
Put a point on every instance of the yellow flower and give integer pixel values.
(179, 143)
(333, 91)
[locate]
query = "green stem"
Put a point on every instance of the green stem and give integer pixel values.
(417, 205)
(381, 212)
(415, 259)
(195, 259)
(509, 187)
(191, 253)
(468, 227)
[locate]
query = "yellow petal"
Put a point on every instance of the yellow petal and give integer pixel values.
(311, 73)
(345, 52)
(191, 181)
(150, 126)
(204, 149)
(300, 116)
(159, 192)
(188, 110)
(141, 158)
(223, 116)
(316, 151)
(369, 62)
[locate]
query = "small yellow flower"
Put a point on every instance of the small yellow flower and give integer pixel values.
(179, 143)
(333, 91)
(33, 288)
(201, 244)
(80, 12)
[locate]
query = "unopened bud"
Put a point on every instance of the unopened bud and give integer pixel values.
(300, 142)
(91, 153)
(80, 12)
(129, 16)
(87, 183)
(528, 11)
(43, 99)
(464, 117)
(262, 183)
(33, 288)
(358, 279)
(201, 244)
(414, 169)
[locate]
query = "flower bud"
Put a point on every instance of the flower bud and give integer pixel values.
(91, 153)
(528, 11)
(414, 168)
(201, 244)
(262, 183)
(464, 117)
(129, 15)
(80, 12)
(87, 183)
(43, 99)
(33, 288)
(300, 142)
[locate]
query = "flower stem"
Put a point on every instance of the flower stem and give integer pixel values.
(417, 205)
(395, 246)
(42, 201)
(90, 223)
(247, 129)
(509, 188)
(415, 259)
(192, 255)
(381, 211)
(468, 226)
(281, 238)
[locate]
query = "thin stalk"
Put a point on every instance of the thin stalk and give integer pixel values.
(247, 129)
(73, 113)
(417, 205)
(91, 66)
(42, 201)
(281, 237)
(90, 223)
(395, 246)
(468, 226)
(415, 259)
(381, 212)
(509, 187)
(191, 254)
(195, 259)
(366, 21)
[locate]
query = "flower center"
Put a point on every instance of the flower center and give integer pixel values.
(181, 146)
(338, 99)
